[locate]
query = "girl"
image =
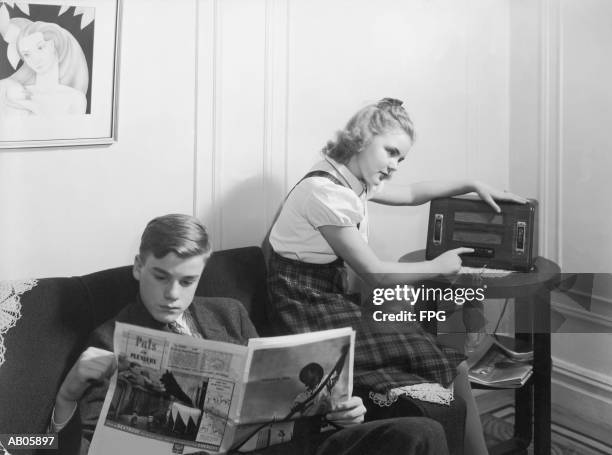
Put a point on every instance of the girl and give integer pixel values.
(323, 225)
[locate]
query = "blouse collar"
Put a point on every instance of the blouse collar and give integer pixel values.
(347, 176)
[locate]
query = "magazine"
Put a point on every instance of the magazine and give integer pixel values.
(178, 394)
(494, 364)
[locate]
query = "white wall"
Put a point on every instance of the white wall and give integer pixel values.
(586, 143)
(288, 74)
(446, 59)
(560, 150)
(75, 210)
(222, 112)
(584, 184)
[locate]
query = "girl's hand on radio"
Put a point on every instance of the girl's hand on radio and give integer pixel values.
(489, 194)
(449, 262)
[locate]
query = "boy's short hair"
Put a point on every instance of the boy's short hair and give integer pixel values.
(183, 235)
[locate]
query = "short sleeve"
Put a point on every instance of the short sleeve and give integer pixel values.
(329, 204)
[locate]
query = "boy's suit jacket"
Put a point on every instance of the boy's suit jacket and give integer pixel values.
(219, 319)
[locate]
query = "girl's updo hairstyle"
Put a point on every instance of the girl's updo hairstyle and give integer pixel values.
(372, 120)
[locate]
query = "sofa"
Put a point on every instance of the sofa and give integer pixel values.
(58, 314)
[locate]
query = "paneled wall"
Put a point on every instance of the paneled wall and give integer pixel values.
(75, 210)
(287, 74)
(222, 112)
(560, 148)
(583, 197)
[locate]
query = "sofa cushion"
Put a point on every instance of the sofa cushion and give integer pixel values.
(239, 273)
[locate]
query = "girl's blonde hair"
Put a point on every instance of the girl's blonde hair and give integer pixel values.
(372, 120)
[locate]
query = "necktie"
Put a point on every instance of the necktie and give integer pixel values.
(175, 327)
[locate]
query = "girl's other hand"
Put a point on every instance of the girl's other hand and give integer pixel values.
(449, 262)
(489, 194)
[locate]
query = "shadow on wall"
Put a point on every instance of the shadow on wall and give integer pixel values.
(243, 215)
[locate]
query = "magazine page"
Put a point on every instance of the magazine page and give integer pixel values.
(495, 368)
(170, 394)
(290, 379)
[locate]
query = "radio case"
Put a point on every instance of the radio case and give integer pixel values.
(506, 240)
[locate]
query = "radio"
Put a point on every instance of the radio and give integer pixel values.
(506, 240)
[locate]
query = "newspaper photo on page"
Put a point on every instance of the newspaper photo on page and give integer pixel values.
(177, 394)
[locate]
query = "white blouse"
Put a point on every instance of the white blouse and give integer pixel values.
(316, 202)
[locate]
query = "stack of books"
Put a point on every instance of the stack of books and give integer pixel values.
(497, 362)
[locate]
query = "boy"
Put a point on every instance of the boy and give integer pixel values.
(173, 253)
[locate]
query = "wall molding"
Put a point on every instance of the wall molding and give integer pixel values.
(276, 99)
(206, 116)
(574, 310)
(217, 133)
(584, 399)
(471, 106)
(580, 314)
(584, 380)
(550, 163)
(594, 297)
(196, 98)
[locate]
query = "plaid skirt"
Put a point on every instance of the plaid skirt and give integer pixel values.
(306, 297)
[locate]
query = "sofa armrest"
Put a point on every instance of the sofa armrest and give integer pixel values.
(45, 342)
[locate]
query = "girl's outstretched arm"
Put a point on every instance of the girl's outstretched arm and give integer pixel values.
(422, 192)
(347, 243)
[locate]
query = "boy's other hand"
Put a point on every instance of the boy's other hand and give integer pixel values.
(449, 262)
(489, 194)
(347, 413)
(93, 366)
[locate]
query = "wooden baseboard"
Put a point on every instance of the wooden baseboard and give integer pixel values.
(582, 400)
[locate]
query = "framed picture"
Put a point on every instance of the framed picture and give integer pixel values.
(58, 72)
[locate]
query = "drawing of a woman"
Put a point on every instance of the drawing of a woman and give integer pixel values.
(54, 75)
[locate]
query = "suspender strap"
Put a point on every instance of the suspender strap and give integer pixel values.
(325, 174)
(319, 173)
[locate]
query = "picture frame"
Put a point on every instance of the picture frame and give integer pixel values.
(59, 64)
